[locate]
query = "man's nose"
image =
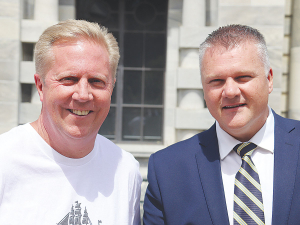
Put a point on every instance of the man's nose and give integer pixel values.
(231, 89)
(82, 91)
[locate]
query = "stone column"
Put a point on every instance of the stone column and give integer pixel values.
(190, 98)
(294, 82)
(193, 17)
(193, 13)
(46, 10)
(9, 63)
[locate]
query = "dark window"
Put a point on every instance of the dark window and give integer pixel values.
(136, 112)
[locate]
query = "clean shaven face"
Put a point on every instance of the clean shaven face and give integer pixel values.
(236, 88)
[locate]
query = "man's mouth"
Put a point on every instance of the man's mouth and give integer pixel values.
(79, 112)
(233, 106)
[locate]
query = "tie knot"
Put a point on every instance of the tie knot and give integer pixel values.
(245, 148)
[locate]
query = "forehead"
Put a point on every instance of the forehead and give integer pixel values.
(79, 49)
(219, 59)
(220, 50)
(78, 56)
(65, 42)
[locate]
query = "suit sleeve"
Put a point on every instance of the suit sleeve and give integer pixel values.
(153, 208)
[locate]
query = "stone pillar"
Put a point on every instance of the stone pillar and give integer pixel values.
(193, 13)
(294, 81)
(9, 63)
(46, 10)
(193, 17)
(189, 98)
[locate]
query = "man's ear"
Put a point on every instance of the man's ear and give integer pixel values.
(270, 79)
(39, 83)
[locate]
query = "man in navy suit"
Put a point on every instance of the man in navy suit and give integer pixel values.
(192, 182)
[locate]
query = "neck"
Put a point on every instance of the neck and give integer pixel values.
(63, 144)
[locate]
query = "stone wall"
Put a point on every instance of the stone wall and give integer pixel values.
(9, 63)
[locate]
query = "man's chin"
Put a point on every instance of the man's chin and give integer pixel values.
(79, 133)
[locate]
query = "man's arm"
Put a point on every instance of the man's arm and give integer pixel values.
(153, 210)
(136, 219)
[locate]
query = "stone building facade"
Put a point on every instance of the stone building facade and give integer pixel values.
(188, 23)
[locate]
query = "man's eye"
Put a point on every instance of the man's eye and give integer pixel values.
(244, 78)
(97, 82)
(216, 82)
(68, 80)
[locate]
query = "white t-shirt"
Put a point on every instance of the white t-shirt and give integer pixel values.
(40, 186)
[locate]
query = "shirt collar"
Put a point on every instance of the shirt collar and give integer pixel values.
(264, 138)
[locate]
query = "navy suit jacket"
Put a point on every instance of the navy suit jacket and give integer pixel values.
(185, 180)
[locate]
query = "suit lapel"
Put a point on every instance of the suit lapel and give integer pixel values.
(208, 162)
(285, 166)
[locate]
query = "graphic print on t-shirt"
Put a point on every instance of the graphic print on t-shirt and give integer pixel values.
(74, 217)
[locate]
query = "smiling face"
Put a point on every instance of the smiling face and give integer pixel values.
(236, 88)
(76, 91)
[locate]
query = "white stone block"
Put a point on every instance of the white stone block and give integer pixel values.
(189, 58)
(169, 132)
(284, 99)
(9, 70)
(294, 78)
(287, 26)
(190, 99)
(143, 190)
(284, 83)
(10, 8)
(143, 166)
(46, 10)
(277, 78)
(10, 28)
(191, 37)
(175, 5)
(27, 72)
(285, 64)
(67, 12)
(272, 34)
(171, 89)
(10, 50)
(193, 13)
(35, 98)
(175, 15)
(286, 45)
(9, 91)
(275, 100)
(5, 126)
(189, 79)
(275, 55)
(185, 134)
(288, 7)
(172, 48)
(268, 2)
(29, 112)
(32, 29)
(8, 115)
(193, 119)
(259, 15)
(234, 2)
(140, 150)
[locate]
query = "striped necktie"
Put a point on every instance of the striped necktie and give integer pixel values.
(248, 204)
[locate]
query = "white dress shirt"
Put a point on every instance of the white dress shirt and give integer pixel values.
(262, 157)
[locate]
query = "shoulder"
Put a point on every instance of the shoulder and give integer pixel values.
(286, 124)
(188, 146)
(14, 138)
(112, 152)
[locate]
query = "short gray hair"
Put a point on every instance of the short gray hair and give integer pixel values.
(74, 29)
(233, 35)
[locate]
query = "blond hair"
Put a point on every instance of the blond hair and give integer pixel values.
(73, 29)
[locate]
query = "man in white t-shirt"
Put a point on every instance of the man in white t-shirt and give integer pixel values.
(57, 169)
